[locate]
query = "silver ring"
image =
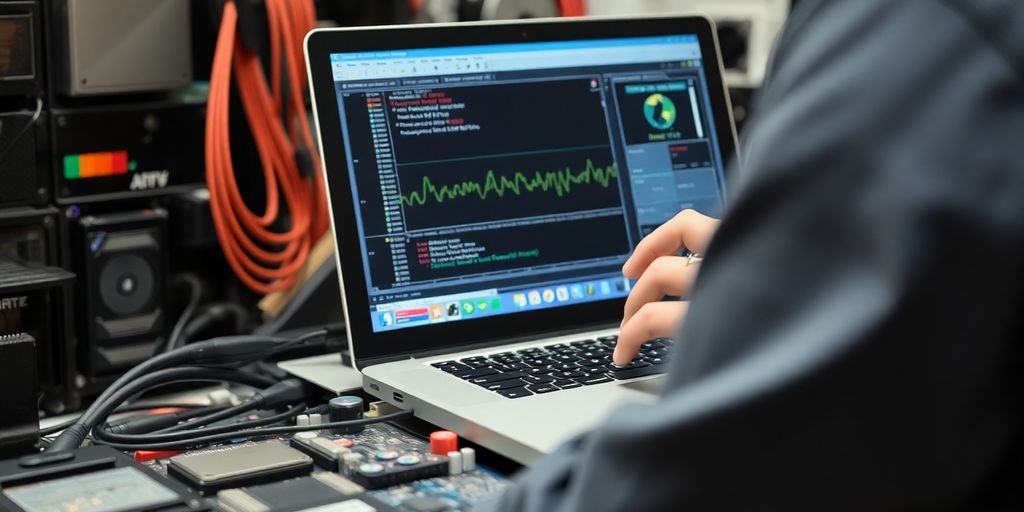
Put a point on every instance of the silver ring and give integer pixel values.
(693, 258)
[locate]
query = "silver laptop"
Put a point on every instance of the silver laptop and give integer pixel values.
(487, 182)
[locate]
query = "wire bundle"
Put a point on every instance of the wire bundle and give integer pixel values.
(265, 260)
(217, 360)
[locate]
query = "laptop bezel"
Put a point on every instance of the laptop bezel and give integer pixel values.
(368, 347)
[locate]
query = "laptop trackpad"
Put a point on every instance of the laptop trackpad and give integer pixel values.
(650, 386)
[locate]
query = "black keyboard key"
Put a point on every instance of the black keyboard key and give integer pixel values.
(568, 375)
(503, 354)
(592, 379)
(591, 370)
(613, 337)
(504, 384)
(495, 377)
(630, 366)
(582, 342)
(656, 353)
(637, 372)
(555, 347)
(538, 370)
(538, 379)
(541, 361)
(564, 358)
(516, 366)
(592, 362)
(475, 372)
(566, 367)
(657, 360)
(454, 369)
(542, 388)
(514, 392)
(442, 363)
(567, 384)
(531, 350)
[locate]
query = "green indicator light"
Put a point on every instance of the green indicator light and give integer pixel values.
(133, 165)
(71, 167)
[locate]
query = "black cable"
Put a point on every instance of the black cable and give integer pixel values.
(28, 126)
(151, 422)
(73, 436)
(259, 432)
(286, 392)
(235, 350)
(124, 408)
(230, 412)
(195, 294)
(103, 437)
(214, 314)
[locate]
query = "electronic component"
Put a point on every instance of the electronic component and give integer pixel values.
(345, 408)
(124, 488)
(468, 459)
(390, 467)
(20, 49)
(19, 421)
(127, 150)
(91, 479)
(152, 50)
(443, 441)
(454, 463)
(247, 464)
(35, 299)
(121, 262)
(300, 494)
(327, 453)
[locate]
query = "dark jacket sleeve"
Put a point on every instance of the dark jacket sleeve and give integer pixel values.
(854, 340)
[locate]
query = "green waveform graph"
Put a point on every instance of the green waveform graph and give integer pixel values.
(561, 181)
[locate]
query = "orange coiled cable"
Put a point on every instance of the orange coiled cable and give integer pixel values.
(265, 260)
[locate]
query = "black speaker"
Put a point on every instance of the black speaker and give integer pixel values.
(121, 263)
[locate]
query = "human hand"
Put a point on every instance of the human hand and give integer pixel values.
(660, 273)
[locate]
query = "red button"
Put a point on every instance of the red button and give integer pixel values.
(443, 441)
(147, 455)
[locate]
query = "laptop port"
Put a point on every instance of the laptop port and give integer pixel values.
(397, 397)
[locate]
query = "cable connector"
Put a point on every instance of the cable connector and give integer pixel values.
(290, 391)
(143, 423)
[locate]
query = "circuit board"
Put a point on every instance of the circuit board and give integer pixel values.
(435, 494)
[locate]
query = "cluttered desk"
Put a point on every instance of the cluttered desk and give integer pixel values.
(481, 186)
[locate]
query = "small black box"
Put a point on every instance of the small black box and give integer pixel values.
(19, 415)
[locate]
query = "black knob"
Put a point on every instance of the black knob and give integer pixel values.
(346, 408)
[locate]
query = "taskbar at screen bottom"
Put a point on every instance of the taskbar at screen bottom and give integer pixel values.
(467, 306)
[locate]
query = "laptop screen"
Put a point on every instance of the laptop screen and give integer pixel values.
(498, 179)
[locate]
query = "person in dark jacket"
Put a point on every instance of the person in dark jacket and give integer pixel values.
(854, 338)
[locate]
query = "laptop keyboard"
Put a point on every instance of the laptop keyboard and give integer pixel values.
(538, 370)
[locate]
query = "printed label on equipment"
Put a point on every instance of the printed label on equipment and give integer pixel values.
(112, 490)
(345, 506)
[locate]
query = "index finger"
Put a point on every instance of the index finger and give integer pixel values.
(688, 229)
